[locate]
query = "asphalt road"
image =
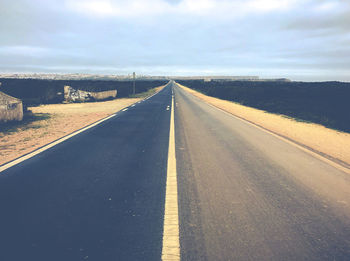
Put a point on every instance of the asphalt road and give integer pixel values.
(246, 195)
(97, 196)
(243, 193)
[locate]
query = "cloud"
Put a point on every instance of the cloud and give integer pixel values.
(107, 8)
(211, 8)
(263, 37)
(23, 50)
(321, 15)
(271, 5)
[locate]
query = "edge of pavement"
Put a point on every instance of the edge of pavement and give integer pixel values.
(335, 162)
(51, 144)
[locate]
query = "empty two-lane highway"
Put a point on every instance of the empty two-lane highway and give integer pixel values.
(243, 194)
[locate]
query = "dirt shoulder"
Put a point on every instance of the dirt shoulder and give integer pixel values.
(330, 143)
(51, 122)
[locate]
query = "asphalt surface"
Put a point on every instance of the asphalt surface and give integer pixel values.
(246, 195)
(243, 193)
(97, 196)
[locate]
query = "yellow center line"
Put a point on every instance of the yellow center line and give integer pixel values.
(171, 242)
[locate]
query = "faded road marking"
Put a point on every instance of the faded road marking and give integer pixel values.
(171, 241)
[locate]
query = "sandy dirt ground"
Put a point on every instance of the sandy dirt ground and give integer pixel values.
(317, 137)
(64, 119)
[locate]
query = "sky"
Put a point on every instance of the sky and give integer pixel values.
(305, 40)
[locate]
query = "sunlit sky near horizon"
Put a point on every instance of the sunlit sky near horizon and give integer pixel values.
(297, 39)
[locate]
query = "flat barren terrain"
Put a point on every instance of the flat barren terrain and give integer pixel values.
(326, 141)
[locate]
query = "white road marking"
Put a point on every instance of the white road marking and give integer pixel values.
(133, 105)
(171, 241)
(125, 109)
